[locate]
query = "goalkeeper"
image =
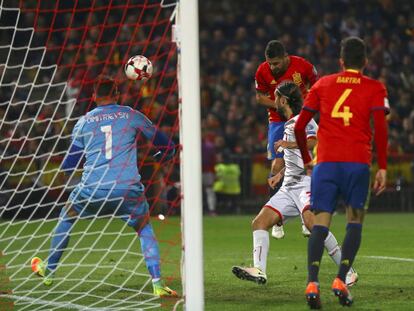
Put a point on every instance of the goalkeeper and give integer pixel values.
(106, 137)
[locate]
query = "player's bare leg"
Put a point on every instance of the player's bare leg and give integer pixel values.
(260, 226)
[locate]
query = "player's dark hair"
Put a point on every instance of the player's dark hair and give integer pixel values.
(105, 86)
(274, 49)
(353, 52)
(293, 95)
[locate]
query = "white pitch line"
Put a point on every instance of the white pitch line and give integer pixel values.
(390, 258)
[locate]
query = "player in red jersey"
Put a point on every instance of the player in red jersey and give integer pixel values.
(346, 102)
(278, 67)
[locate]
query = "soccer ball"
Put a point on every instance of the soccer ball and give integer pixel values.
(138, 68)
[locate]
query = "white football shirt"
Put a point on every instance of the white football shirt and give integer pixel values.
(293, 159)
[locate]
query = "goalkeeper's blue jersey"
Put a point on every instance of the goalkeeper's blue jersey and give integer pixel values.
(108, 136)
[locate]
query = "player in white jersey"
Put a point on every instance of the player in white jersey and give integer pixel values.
(293, 198)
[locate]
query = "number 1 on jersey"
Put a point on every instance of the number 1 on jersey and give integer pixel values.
(107, 129)
(346, 114)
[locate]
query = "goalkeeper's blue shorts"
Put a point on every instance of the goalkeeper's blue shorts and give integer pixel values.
(274, 134)
(331, 180)
(129, 204)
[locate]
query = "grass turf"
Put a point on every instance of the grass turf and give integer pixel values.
(385, 283)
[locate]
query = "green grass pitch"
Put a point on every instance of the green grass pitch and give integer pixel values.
(384, 284)
(385, 264)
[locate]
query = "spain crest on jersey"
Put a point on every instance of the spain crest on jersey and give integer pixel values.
(297, 78)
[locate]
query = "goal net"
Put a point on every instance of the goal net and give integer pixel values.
(50, 54)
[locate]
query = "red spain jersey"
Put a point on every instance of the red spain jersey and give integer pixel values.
(345, 101)
(299, 71)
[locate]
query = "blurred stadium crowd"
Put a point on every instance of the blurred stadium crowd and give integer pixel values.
(233, 38)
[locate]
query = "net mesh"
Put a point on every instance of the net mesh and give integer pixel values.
(50, 54)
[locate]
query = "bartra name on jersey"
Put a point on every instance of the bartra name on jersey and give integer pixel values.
(345, 101)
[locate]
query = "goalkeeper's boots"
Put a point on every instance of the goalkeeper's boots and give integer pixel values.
(278, 232)
(250, 274)
(161, 290)
(341, 291)
(351, 277)
(39, 268)
(313, 297)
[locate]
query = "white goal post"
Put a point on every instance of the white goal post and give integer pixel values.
(189, 86)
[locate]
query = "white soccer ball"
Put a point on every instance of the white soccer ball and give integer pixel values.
(138, 68)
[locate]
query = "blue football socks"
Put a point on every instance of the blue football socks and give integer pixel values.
(150, 249)
(315, 251)
(60, 239)
(350, 247)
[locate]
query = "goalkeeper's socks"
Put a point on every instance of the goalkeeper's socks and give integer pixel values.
(60, 240)
(350, 248)
(150, 249)
(155, 273)
(315, 251)
(333, 249)
(260, 249)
